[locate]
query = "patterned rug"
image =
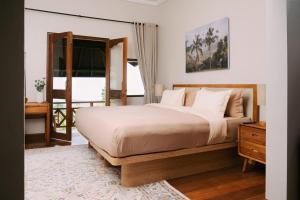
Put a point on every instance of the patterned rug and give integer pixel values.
(76, 172)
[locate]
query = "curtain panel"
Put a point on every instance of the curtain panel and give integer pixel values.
(146, 38)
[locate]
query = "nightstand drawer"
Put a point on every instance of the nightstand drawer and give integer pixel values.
(36, 110)
(252, 150)
(254, 135)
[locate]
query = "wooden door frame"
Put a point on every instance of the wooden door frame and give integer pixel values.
(112, 43)
(107, 73)
(63, 94)
(67, 93)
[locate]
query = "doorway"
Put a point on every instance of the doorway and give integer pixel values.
(76, 65)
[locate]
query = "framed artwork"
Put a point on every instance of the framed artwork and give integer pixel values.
(207, 47)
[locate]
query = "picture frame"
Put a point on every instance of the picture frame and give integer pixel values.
(207, 47)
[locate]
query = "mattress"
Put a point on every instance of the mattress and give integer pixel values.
(132, 130)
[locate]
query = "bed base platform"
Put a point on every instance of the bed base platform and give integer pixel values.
(147, 168)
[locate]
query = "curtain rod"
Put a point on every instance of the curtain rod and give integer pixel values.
(82, 16)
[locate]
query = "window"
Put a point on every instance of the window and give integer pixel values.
(88, 69)
(135, 85)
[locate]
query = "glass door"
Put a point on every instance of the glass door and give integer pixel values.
(59, 84)
(117, 81)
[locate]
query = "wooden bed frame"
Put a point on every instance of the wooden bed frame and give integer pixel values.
(146, 168)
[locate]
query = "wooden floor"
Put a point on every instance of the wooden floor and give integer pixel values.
(38, 142)
(226, 184)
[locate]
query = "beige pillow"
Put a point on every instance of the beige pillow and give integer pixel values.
(173, 97)
(235, 104)
(190, 98)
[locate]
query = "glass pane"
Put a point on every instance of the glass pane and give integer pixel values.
(134, 80)
(59, 64)
(59, 115)
(90, 89)
(116, 74)
(116, 67)
(59, 83)
(89, 58)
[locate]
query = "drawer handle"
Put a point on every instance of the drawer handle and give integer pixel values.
(253, 134)
(254, 150)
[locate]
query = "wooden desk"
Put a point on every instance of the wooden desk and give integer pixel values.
(33, 110)
(252, 143)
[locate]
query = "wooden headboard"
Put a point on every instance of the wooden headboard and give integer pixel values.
(250, 95)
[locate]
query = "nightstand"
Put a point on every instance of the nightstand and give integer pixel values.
(252, 143)
(37, 110)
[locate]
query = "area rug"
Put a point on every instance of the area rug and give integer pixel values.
(77, 172)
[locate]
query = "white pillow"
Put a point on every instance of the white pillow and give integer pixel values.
(173, 97)
(214, 102)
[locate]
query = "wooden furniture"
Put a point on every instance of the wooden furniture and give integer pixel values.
(60, 58)
(34, 110)
(250, 95)
(252, 143)
(147, 168)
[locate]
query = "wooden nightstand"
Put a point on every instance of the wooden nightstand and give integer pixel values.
(252, 143)
(36, 110)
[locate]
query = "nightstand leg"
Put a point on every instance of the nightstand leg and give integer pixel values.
(245, 165)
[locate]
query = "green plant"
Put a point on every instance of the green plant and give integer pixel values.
(103, 92)
(40, 84)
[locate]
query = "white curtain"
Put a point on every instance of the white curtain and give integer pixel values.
(146, 42)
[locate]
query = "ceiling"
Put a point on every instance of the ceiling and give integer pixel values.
(148, 2)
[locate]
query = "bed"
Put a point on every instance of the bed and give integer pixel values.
(155, 142)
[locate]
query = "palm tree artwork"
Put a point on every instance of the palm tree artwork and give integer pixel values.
(209, 40)
(207, 47)
(197, 47)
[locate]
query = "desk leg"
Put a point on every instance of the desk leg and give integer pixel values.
(47, 128)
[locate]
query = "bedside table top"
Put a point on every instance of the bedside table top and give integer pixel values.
(33, 108)
(35, 104)
(255, 125)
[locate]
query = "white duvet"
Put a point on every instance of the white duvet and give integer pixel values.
(217, 125)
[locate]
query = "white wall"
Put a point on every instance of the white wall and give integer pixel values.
(38, 24)
(276, 40)
(247, 40)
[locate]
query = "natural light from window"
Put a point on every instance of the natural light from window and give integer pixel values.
(134, 80)
(91, 89)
